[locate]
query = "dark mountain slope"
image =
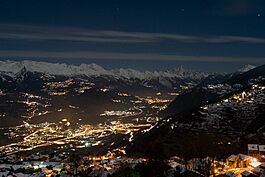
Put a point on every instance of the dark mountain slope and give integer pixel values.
(210, 121)
(212, 89)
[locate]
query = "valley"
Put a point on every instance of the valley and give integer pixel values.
(130, 119)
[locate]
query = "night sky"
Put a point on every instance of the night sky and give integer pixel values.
(211, 35)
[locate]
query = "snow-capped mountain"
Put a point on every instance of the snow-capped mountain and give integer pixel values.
(13, 67)
(155, 79)
(245, 68)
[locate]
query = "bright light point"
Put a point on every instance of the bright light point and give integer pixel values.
(255, 163)
(87, 144)
(35, 167)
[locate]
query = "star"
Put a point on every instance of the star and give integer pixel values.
(258, 14)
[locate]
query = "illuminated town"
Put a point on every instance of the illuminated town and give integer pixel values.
(68, 136)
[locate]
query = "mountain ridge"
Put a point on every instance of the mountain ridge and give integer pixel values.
(13, 67)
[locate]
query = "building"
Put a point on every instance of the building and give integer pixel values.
(239, 161)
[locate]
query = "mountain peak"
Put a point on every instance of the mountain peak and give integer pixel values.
(246, 68)
(22, 71)
(93, 66)
(22, 74)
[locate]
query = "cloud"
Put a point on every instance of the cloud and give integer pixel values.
(48, 33)
(122, 56)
